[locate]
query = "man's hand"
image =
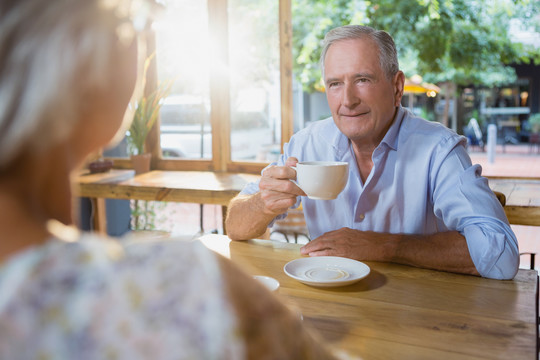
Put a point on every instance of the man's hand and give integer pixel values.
(346, 242)
(446, 251)
(248, 216)
(277, 191)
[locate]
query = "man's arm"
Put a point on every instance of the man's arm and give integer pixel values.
(246, 218)
(446, 251)
(465, 203)
(249, 215)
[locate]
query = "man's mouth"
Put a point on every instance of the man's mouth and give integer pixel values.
(355, 115)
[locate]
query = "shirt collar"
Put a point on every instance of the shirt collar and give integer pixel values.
(392, 135)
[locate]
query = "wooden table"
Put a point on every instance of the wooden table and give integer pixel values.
(522, 199)
(201, 187)
(401, 312)
(205, 187)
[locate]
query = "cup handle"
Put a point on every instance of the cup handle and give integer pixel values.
(295, 181)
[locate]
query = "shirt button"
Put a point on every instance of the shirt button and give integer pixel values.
(361, 217)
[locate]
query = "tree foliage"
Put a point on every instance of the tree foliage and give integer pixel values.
(461, 41)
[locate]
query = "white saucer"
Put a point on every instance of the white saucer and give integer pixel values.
(326, 271)
(271, 283)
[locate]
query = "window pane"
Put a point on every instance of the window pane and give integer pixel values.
(254, 79)
(182, 53)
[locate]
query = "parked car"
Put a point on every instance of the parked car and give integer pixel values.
(186, 131)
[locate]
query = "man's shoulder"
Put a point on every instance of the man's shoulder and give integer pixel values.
(412, 122)
(414, 127)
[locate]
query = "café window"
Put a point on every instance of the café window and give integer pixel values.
(254, 80)
(183, 54)
(225, 108)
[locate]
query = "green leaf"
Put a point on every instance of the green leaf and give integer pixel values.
(146, 115)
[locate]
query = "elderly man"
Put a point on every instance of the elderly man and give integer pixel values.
(413, 197)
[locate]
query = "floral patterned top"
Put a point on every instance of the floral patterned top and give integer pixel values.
(100, 299)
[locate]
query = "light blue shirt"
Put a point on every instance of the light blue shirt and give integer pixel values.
(422, 182)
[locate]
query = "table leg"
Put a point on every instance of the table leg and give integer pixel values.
(223, 217)
(100, 215)
(201, 222)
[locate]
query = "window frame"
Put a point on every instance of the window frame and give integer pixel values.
(220, 98)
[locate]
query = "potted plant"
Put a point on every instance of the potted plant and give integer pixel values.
(144, 119)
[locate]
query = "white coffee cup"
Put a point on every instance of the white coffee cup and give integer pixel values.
(322, 180)
(270, 283)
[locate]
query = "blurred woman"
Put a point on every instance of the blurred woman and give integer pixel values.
(68, 69)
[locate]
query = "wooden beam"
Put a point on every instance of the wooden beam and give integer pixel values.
(153, 142)
(219, 83)
(285, 69)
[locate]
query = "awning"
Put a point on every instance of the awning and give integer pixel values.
(415, 85)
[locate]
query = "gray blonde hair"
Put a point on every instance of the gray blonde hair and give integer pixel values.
(387, 48)
(52, 54)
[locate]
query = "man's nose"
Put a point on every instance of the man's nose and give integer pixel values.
(350, 97)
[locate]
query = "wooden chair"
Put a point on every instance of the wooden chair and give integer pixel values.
(502, 199)
(294, 225)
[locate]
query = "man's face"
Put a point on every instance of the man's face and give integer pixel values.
(362, 100)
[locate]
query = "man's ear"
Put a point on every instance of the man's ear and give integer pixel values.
(399, 84)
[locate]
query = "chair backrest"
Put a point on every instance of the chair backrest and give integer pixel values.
(501, 197)
(294, 224)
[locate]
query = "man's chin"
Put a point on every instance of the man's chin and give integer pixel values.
(353, 130)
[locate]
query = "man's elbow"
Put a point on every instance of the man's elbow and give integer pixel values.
(234, 232)
(237, 230)
(236, 236)
(506, 274)
(244, 219)
(504, 269)
(509, 272)
(496, 252)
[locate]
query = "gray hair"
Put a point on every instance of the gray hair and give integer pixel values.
(387, 47)
(52, 54)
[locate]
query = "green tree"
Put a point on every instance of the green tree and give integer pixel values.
(311, 20)
(456, 41)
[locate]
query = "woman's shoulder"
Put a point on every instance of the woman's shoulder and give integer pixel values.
(109, 293)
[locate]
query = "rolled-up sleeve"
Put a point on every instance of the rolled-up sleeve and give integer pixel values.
(464, 201)
(494, 253)
(250, 188)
